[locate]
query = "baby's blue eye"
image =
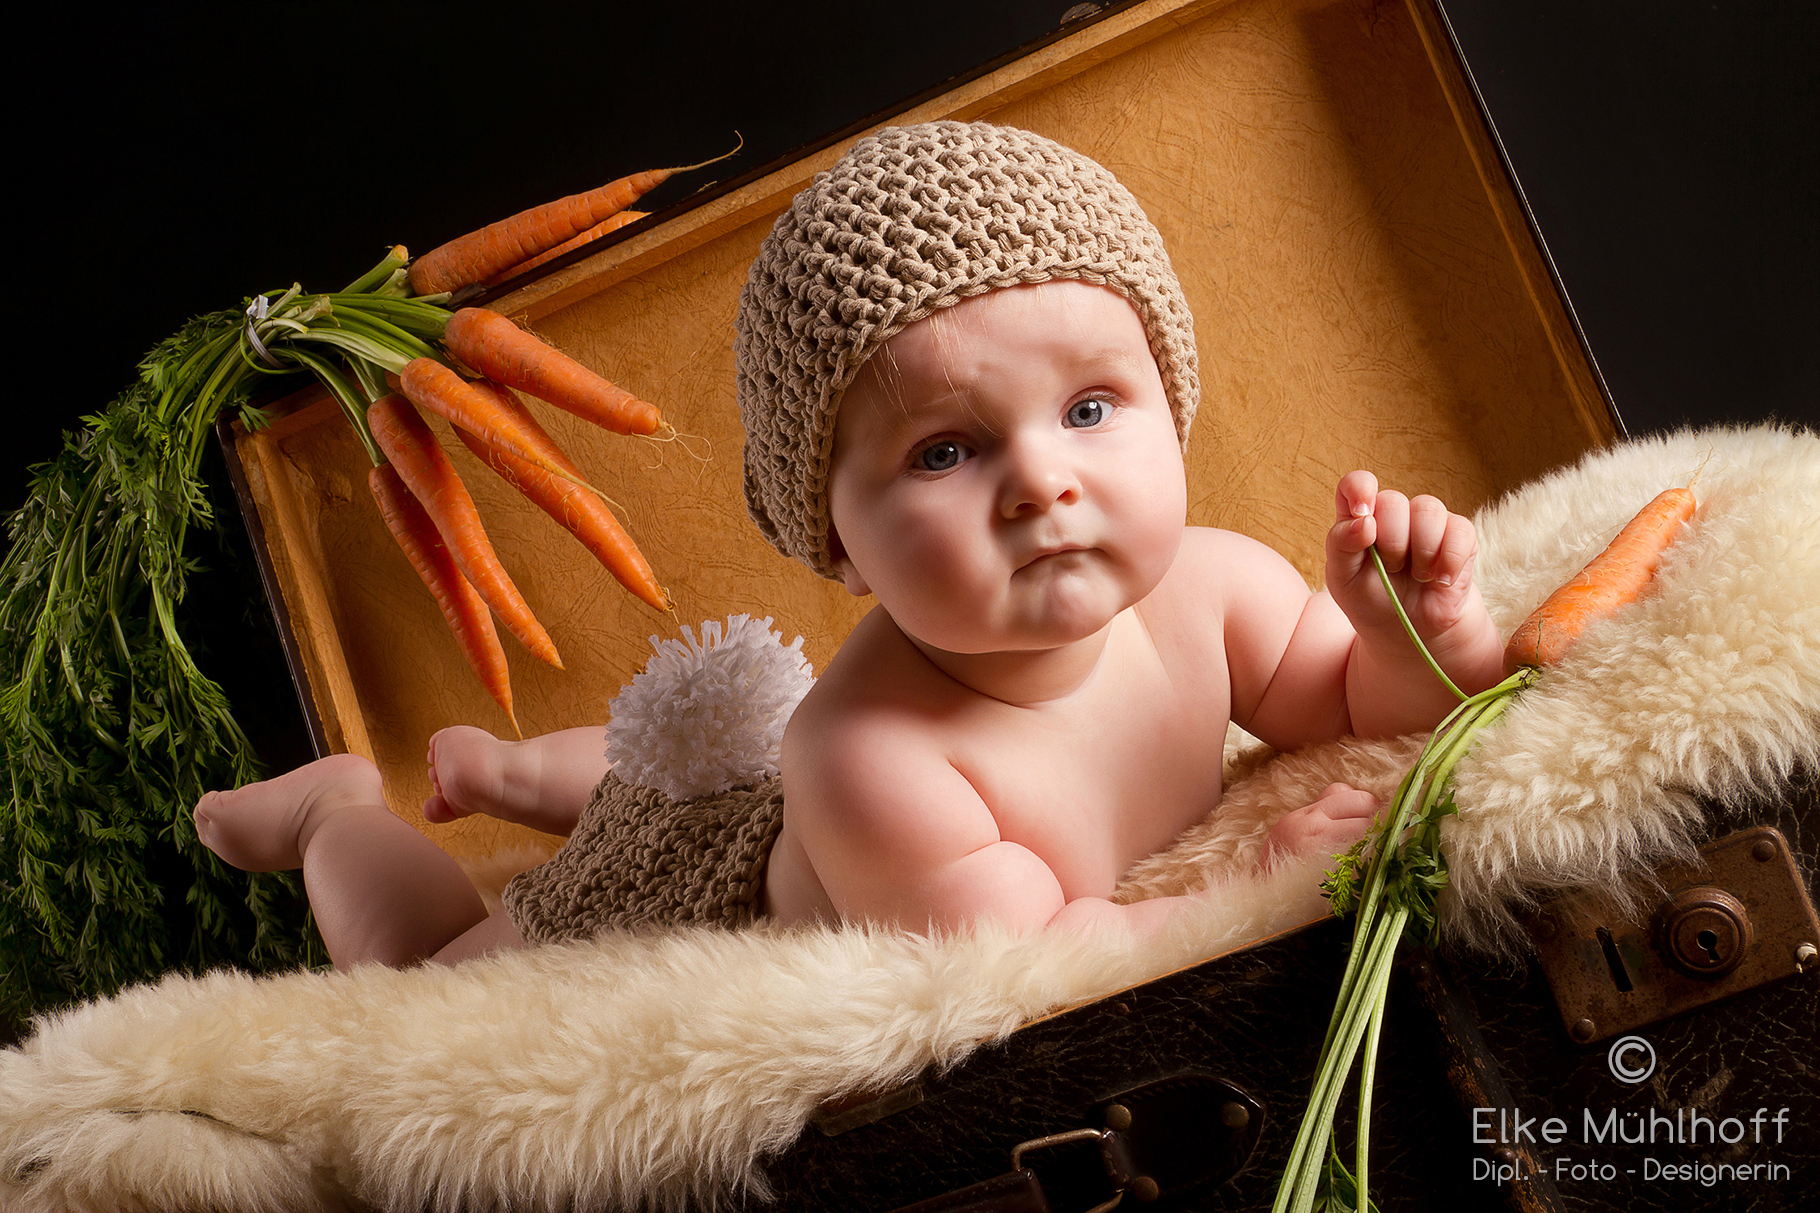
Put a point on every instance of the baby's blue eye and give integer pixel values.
(940, 456)
(1083, 414)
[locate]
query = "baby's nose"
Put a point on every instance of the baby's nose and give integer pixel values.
(1037, 479)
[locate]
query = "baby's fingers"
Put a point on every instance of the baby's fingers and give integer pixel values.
(1354, 528)
(1356, 494)
(1393, 529)
(1427, 531)
(1341, 801)
(1441, 544)
(1337, 819)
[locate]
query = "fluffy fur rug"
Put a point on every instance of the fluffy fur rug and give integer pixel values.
(649, 1069)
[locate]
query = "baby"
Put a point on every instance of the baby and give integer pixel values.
(966, 373)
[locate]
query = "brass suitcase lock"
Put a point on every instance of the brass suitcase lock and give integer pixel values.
(1738, 918)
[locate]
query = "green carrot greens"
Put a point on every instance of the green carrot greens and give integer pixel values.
(111, 730)
(1389, 881)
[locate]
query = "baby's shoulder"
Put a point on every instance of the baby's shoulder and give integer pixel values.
(869, 700)
(1215, 570)
(866, 760)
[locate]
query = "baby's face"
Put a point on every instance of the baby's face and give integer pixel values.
(1006, 474)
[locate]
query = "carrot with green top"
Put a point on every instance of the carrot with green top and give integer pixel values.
(408, 443)
(1389, 882)
(498, 349)
(585, 515)
(462, 606)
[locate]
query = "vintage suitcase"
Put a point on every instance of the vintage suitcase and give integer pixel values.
(1368, 293)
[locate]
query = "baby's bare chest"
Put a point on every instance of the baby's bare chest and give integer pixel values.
(1112, 776)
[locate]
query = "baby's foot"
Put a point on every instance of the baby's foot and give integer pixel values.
(467, 774)
(266, 827)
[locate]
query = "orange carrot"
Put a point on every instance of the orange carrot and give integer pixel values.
(585, 515)
(500, 350)
(1614, 577)
(429, 384)
(499, 246)
(406, 440)
(611, 224)
(462, 605)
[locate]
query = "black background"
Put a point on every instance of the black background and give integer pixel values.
(175, 160)
(1667, 152)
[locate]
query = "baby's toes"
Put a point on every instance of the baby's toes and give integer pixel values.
(436, 809)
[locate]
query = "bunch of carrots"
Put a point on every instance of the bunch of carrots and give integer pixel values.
(111, 729)
(1390, 880)
(388, 349)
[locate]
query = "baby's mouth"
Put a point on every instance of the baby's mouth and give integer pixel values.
(1052, 550)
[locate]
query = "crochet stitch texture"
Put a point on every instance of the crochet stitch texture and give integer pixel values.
(638, 858)
(911, 220)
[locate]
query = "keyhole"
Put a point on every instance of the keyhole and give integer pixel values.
(1620, 975)
(1703, 931)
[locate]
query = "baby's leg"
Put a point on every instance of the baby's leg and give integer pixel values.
(379, 889)
(543, 782)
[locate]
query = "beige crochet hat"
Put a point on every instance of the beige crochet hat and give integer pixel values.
(911, 220)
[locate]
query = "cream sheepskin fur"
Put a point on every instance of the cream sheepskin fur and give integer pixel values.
(640, 1070)
(653, 1069)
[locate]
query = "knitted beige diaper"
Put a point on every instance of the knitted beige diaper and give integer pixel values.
(639, 858)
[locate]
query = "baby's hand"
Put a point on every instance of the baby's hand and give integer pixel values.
(1338, 818)
(1427, 551)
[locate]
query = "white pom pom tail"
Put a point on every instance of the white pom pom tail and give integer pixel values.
(708, 715)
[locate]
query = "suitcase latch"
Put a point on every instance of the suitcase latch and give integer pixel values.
(1738, 919)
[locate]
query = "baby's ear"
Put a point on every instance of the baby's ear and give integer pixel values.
(855, 583)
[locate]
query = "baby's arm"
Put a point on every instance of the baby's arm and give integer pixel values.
(543, 782)
(1429, 554)
(898, 836)
(1308, 668)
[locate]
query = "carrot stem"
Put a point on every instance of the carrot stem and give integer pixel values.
(427, 319)
(357, 346)
(376, 327)
(1403, 616)
(353, 404)
(394, 260)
